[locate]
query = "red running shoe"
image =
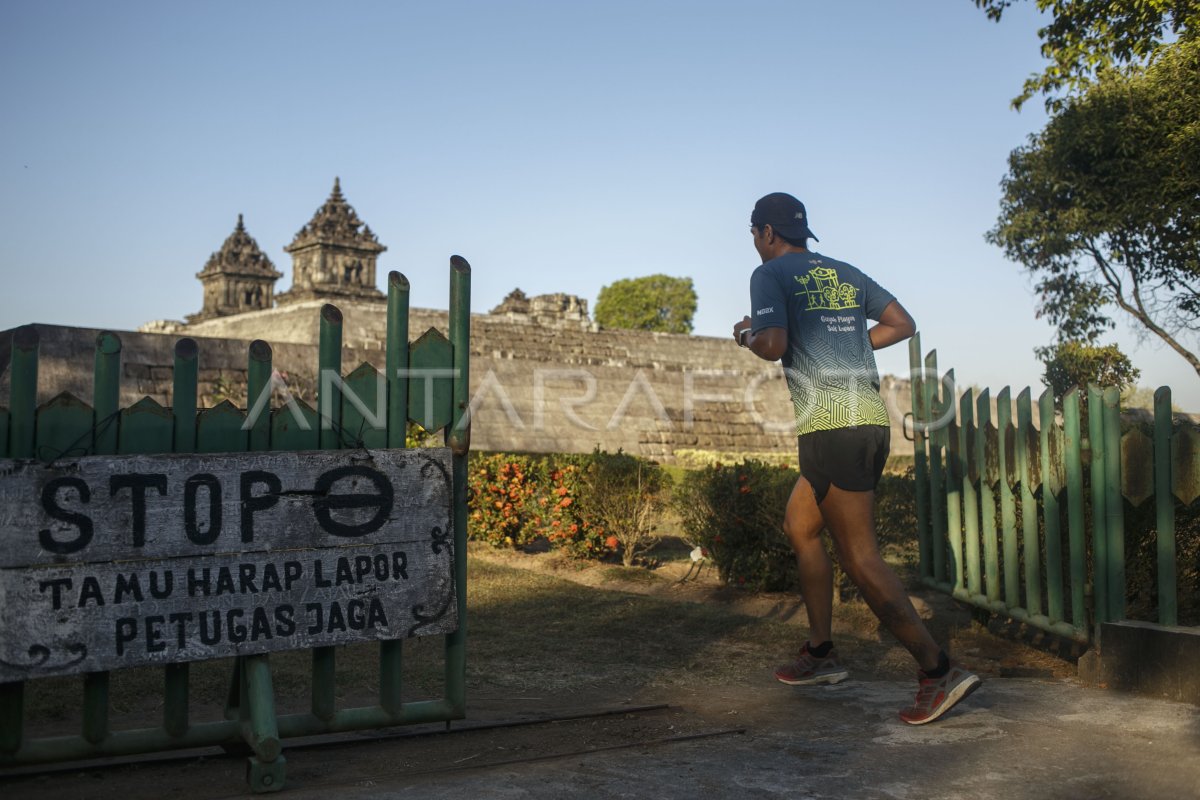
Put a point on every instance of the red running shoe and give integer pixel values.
(938, 695)
(808, 669)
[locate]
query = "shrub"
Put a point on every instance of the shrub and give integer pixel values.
(735, 514)
(896, 511)
(624, 495)
(564, 522)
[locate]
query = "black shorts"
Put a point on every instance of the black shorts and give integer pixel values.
(849, 458)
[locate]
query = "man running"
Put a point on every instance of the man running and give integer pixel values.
(811, 311)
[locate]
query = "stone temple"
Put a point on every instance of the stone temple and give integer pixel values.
(544, 376)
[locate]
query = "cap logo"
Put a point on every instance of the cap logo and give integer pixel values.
(799, 215)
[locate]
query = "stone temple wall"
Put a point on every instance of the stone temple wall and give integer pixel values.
(535, 387)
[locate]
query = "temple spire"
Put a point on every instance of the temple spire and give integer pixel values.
(334, 255)
(237, 278)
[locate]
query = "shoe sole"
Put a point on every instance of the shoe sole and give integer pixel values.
(959, 693)
(828, 677)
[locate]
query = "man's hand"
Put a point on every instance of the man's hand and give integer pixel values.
(768, 344)
(738, 336)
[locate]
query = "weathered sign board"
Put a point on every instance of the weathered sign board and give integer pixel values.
(118, 561)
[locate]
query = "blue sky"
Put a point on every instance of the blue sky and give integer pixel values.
(558, 146)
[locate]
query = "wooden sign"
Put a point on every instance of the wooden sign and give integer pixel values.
(118, 561)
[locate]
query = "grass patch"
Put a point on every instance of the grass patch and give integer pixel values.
(571, 636)
(622, 574)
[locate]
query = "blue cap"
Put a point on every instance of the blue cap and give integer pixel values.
(785, 214)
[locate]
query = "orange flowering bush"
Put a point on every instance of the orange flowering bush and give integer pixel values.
(502, 499)
(516, 500)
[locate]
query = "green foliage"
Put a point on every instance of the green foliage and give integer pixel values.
(694, 459)
(653, 303)
(896, 512)
(1074, 365)
(735, 514)
(1087, 37)
(415, 435)
(1102, 207)
(1141, 562)
(623, 495)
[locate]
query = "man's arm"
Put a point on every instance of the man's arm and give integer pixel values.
(768, 344)
(895, 325)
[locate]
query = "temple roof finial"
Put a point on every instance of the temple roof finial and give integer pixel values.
(240, 226)
(336, 222)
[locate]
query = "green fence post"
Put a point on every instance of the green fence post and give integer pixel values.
(934, 406)
(458, 437)
(256, 706)
(920, 463)
(987, 501)
(1029, 521)
(954, 486)
(1008, 501)
(397, 358)
(967, 433)
(256, 698)
(106, 399)
(1077, 537)
(1051, 517)
(329, 378)
(23, 377)
(329, 410)
(391, 652)
(1095, 412)
(106, 393)
(258, 395)
(1164, 502)
(184, 379)
(1114, 505)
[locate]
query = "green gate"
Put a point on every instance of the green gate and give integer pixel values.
(1029, 520)
(65, 428)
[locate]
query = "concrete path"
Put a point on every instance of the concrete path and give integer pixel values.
(1013, 739)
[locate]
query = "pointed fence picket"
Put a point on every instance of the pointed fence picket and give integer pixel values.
(1029, 520)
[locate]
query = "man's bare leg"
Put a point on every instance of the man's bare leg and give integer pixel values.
(802, 523)
(851, 520)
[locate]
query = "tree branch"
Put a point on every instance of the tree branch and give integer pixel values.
(1139, 312)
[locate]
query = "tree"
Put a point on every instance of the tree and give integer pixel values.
(1074, 365)
(1102, 206)
(653, 303)
(1087, 37)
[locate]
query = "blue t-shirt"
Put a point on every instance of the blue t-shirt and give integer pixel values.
(830, 365)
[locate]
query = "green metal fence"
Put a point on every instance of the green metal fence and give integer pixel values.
(1026, 516)
(66, 427)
